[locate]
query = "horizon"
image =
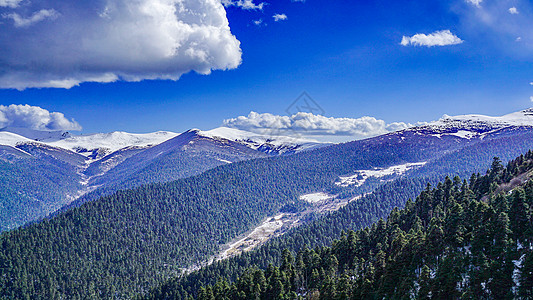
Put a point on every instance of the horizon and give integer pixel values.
(374, 65)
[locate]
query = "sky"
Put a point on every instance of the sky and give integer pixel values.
(361, 68)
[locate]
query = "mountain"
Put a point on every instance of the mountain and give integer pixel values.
(80, 168)
(97, 146)
(274, 144)
(476, 126)
(458, 240)
(138, 238)
(38, 135)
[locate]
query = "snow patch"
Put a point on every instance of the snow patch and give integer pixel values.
(259, 235)
(516, 273)
(315, 197)
(224, 161)
(360, 176)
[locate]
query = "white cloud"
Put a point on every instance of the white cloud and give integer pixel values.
(513, 11)
(437, 38)
(244, 4)
(279, 17)
(105, 41)
(477, 3)
(258, 22)
(9, 3)
(314, 126)
(518, 39)
(531, 83)
(34, 117)
(531, 98)
(35, 18)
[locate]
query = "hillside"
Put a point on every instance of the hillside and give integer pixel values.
(323, 230)
(458, 240)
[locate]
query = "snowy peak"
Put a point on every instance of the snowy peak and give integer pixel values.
(12, 139)
(469, 126)
(263, 143)
(521, 118)
(100, 144)
(38, 135)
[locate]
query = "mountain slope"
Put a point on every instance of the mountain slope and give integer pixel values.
(363, 211)
(458, 240)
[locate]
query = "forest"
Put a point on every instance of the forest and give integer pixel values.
(134, 241)
(460, 239)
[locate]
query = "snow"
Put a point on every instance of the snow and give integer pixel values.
(113, 141)
(315, 197)
(463, 134)
(224, 161)
(12, 139)
(259, 235)
(105, 143)
(521, 118)
(470, 126)
(516, 272)
(37, 135)
(254, 140)
(360, 176)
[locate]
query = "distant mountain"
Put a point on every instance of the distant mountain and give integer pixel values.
(476, 126)
(273, 144)
(86, 167)
(38, 135)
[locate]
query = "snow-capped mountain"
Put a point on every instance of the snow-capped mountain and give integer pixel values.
(96, 146)
(263, 143)
(52, 169)
(37, 135)
(78, 168)
(476, 126)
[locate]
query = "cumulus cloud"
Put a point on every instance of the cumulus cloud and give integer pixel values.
(437, 38)
(279, 17)
(244, 4)
(258, 22)
(513, 11)
(35, 18)
(314, 126)
(477, 3)
(109, 40)
(34, 117)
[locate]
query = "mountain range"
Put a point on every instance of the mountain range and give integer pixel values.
(71, 166)
(57, 170)
(149, 227)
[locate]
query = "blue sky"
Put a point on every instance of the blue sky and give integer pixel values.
(346, 54)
